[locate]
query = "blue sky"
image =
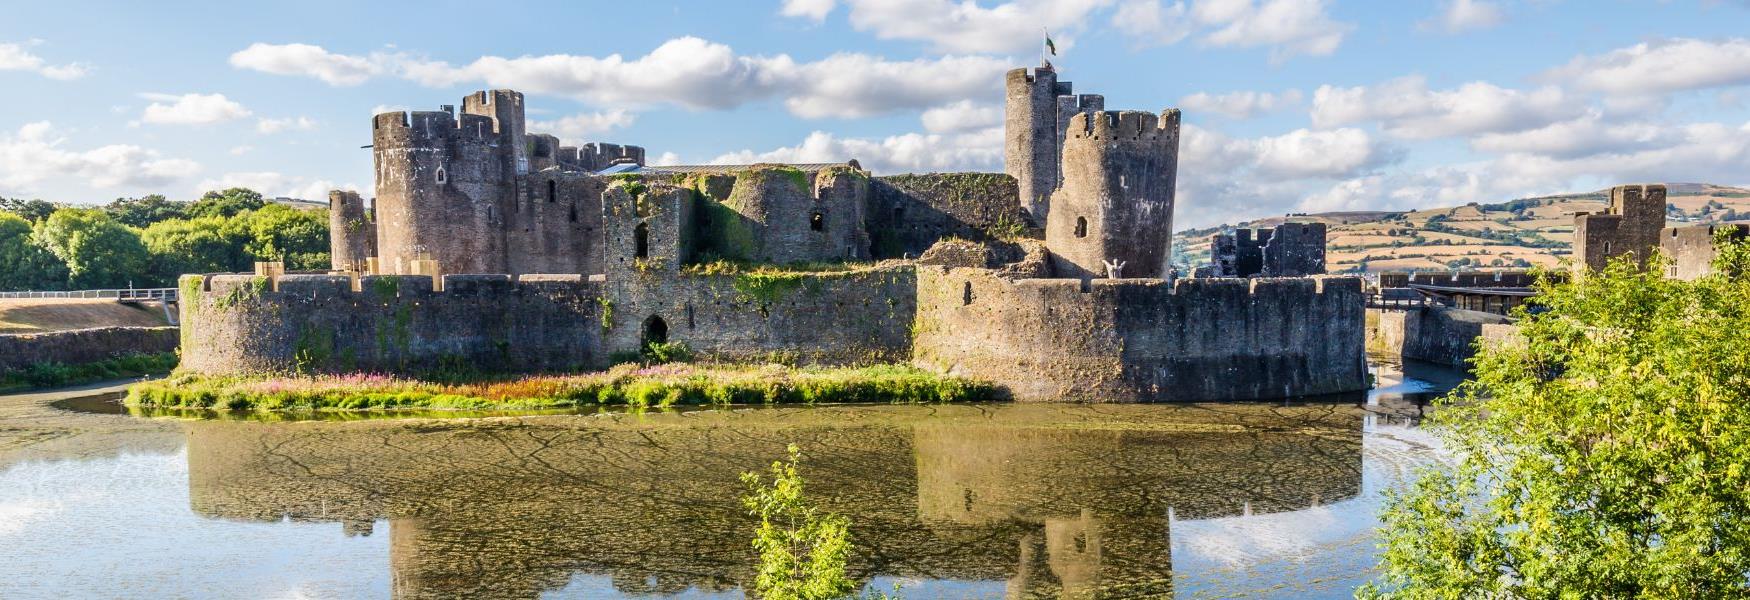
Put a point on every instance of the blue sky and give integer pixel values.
(1290, 105)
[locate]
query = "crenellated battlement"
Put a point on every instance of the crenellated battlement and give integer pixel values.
(1125, 125)
(433, 126)
(233, 288)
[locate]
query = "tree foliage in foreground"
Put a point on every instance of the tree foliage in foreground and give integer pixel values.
(802, 550)
(1602, 454)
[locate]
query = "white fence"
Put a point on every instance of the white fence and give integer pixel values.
(129, 295)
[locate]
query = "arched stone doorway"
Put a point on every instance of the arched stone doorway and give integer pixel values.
(655, 332)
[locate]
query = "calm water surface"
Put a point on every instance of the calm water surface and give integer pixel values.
(963, 501)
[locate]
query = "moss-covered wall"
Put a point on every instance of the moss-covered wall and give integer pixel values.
(908, 213)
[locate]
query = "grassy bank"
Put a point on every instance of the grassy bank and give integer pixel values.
(625, 385)
(45, 375)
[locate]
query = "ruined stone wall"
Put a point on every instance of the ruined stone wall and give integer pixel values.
(1631, 226)
(352, 231)
(843, 317)
(1439, 334)
(235, 324)
(21, 350)
(1116, 202)
(782, 215)
(1691, 249)
(1295, 250)
(909, 213)
(1130, 341)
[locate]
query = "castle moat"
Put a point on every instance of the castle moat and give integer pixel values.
(950, 500)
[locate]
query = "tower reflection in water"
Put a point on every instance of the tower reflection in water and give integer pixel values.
(997, 500)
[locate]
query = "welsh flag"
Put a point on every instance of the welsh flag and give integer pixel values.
(1050, 45)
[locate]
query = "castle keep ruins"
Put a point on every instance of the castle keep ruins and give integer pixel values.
(502, 249)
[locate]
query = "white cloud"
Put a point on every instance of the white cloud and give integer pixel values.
(191, 109)
(14, 57)
(964, 26)
(1223, 179)
(1458, 16)
(907, 153)
(1240, 105)
(272, 126)
(580, 128)
(1660, 67)
(35, 154)
(309, 61)
(1148, 23)
(667, 158)
(273, 185)
(1586, 136)
(1288, 27)
(241, 150)
(962, 117)
(1405, 107)
(813, 10)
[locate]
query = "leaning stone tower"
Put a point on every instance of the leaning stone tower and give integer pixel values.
(1035, 119)
(1116, 203)
(352, 234)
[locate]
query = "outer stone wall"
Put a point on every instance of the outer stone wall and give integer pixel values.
(317, 323)
(852, 317)
(1144, 340)
(1691, 249)
(1439, 335)
(19, 351)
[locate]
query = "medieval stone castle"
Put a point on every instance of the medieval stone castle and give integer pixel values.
(503, 249)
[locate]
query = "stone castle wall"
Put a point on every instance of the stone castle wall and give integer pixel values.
(19, 351)
(1691, 249)
(1439, 334)
(1116, 202)
(316, 323)
(1630, 227)
(909, 213)
(1144, 340)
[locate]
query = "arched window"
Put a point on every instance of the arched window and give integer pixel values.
(817, 222)
(552, 190)
(966, 294)
(442, 177)
(641, 241)
(1081, 227)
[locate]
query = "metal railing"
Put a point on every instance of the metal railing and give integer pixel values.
(127, 295)
(1380, 301)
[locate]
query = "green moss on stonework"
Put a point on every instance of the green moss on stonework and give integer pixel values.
(385, 288)
(248, 292)
(725, 233)
(312, 350)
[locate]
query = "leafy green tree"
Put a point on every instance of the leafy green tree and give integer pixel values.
(1602, 453)
(204, 245)
(802, 550)
(226, 203)
(146, 210)
(99, 252)
(298, 237)
(31, 210)
(23, 264)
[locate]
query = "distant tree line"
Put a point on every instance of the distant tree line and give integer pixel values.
(149, 241)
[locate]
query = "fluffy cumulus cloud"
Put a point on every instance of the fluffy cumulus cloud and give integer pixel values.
(581, 128)
(1287, 27)
(191, 109)
(273, 185)
(1588, 135)
(813, 10)
(1240, 105)
(272, 126)
(1405, 107)
(907, 153)
(1659, 67)
(309, 61)
(1224, 179)
(694, 73)
(36, 153)
(15, 57)
(962, 117)
(1458, 16)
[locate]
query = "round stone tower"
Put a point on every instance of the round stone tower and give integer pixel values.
(442, 191)
(352, 234)
(1030, 136)
(1114, 213)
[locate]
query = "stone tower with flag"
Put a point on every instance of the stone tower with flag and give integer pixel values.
(1036, 118)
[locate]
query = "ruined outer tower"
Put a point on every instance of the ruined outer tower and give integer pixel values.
(1630, 226)
(1035, 120)
(1116, 202)
(352, 233)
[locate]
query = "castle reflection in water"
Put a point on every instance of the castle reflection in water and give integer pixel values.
(1043, 501)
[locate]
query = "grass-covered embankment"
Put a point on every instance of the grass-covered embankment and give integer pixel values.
(47, 375)
(626, 385)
